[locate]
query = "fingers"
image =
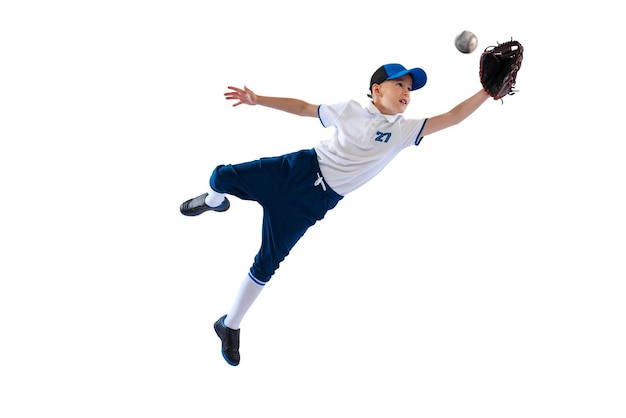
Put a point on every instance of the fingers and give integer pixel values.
(235, 93)
(238, 90)
(244, 96)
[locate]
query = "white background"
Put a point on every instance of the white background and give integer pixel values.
(481, 274)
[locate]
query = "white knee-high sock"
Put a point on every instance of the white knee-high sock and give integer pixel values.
(214, 198)
(248, 292)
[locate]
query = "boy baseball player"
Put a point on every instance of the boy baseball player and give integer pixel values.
(297, 189)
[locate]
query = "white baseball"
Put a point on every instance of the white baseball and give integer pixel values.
(466, 42)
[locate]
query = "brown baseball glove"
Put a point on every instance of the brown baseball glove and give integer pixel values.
(499, 66)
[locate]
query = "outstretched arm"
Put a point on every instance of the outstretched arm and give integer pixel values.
(456, 115)
(295, 106)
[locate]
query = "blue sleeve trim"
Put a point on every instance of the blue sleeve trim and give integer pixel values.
(319, 115)
(419, 134)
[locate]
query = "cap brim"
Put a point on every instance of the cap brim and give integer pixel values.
(419, 77)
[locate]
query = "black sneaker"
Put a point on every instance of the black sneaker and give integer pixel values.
(196, 206)
(230, 341)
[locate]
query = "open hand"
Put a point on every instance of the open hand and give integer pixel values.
(245, 96)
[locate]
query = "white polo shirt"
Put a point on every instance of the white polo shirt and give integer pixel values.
(363, 143)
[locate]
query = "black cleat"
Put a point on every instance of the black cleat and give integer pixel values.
(196, 206)
(230, 341)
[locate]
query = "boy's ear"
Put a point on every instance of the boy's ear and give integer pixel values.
(375, 90)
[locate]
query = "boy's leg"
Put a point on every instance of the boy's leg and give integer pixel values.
(248, 292)
(227, 327)
(214, 199)
(292, 200)
(208, 201)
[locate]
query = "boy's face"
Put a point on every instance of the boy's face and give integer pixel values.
(393, 96)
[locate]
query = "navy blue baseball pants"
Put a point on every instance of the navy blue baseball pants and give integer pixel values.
(293, 194)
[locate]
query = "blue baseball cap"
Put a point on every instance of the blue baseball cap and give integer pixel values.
(393, 71)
